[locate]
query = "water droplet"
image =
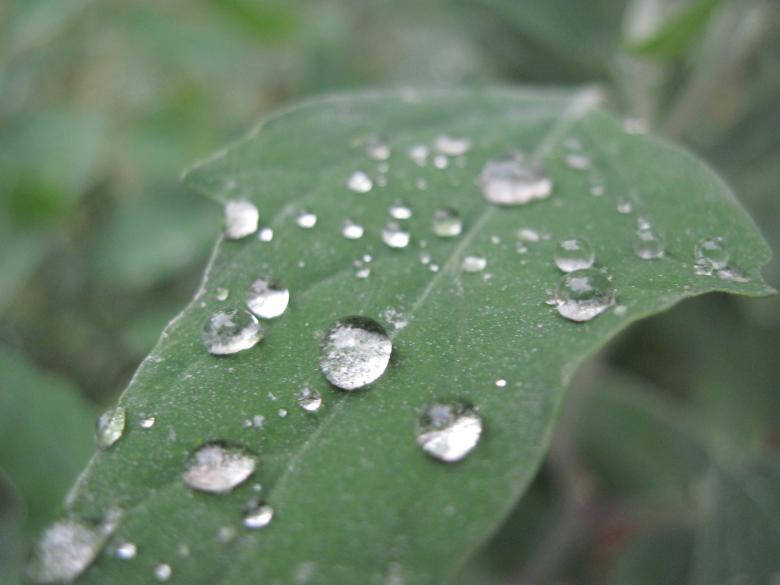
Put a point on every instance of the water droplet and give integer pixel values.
(501, 383)
(598, 190)
(473, 264)
(509, 181)
(577, 161)
(377, 149)
(362, 272)
(147, 423)
(162, 572)
(228, 332)
(265, 234)
(64, 551)
(528, 235)
(624, 206)
(711, 255)
(449, 432)
(440, 161)
(282, 412)
(419, 154)
(218, 468)
(226, 534)
(309, 400)
(733, 274)
(125, 550)
(222, 294)
(574, 254)
(267, 298)
(495, 240)
(452, 146)
(359, 182)
(399, 210)
(259, 516)
(584, 294)
(110, 427)
(395, 236)
(355, 352)
(648, 244)
(421, 183)
(351, 230)
(306, 219)
(447, 222)
(241, 219)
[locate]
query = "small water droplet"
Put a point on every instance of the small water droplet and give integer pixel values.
(648, 244)
(228, 332)
(509, 181)
(306, 219)
(377, 149)
(258, 421)
(241, 218)
(440, 161)
(624, 206)
(355, 352)
(419, 154)
(110, 427)
(447, 222)
(395, 236)
(259, 516)
(598, 190)
(421, 183)
(282, 412)
(351, 230)
(574, 254)
(577, 161)
(309, 400)
(64, 551)
(733, 274)
(451, 146)
(362, 272)
(222, 294)
(501, 383)
(265, 234)
(449, 432)
(183, 550)
(473, 264)
(162, 572)
(148, 422)
(218, 468)
(359, 182)
(528, 235)
(267, 298)
(125, 550)
(711, 255)
(399, 210)
(584, 294)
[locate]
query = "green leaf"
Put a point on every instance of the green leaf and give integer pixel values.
(355, 499)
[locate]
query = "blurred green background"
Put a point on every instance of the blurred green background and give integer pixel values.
(103, 103)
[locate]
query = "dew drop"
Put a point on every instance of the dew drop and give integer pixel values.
(306, 219)
(355, 352)
(449, 432)
(218, 468)
(126, 550)
(711, 254)
(399, 210)
(351, 230)
(377, 149)
(528, 235)
(162, 572)
(110, 427)
(509, 181)
(574, 254)
(584, 294)
(64, 551)
(473, 264)
(222, 294)
(362, 272)
(577, 161)
(648, 244)
(395, 236)
(259, 516)
(501, 383)
(419, 154)
(451, 146)
(228, 332)
(359, 182)
(147, 423)
(447, 222)
(733, 274)
(440, 161)
(309, 400)
(282, 412)
(265, 234)
(267, 298)
(624, 206)
(241, 218)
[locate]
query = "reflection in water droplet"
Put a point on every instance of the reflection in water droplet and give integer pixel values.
(222, 294)
(584, 294)
(578, 162)
(265, 234)
(267, 298)
(452, 146)
(241, 219)
(259, 516)
(711, 255)
(228, 332)
(509, 181)
(126, 550)
(162, 572)
(473, 264)
(64, 551)
(306, 219)
(355, 352)
(447, 222)
(218, 468)
(309, 400)
(648, 244)
(399, 210)
(419, 154)
(359, 182)
(395, 236)
(574, 254)
(377, 149)
(351, 230)
(449, 432)
(110, 427)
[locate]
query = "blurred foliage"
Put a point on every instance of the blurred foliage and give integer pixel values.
(102, 103)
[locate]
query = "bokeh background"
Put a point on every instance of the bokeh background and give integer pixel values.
(102, 104)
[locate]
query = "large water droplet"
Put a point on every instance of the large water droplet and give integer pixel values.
(473, 264)
(648, 244)
(574, 254)
(447, 223)
(452, 146)
(509, 181)
(267, 298)
(110, 427)
(241, 219)
(449, 432)
(259, 516)
(64, 551)
(359, 182)
(584, 294)
(355, 352)
(227, 332)
(218, 468)
(395, 236)
(352, 230)
(306, 219)
(400, 210)
(309, 400)
(711, 254)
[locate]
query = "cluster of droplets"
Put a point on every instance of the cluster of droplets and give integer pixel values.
(712, 257)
